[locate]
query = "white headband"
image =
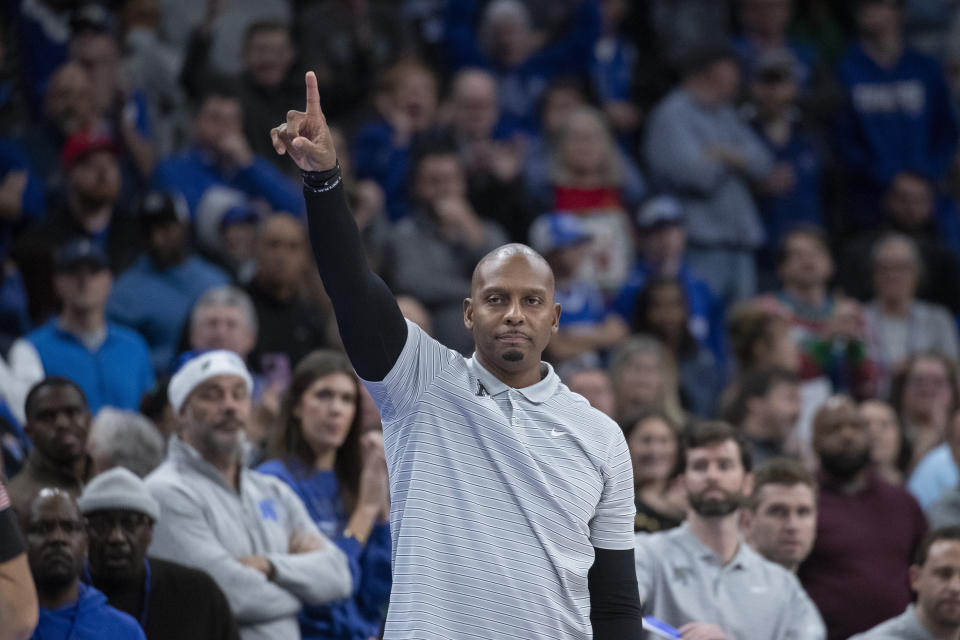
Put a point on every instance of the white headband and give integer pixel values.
(205, 366)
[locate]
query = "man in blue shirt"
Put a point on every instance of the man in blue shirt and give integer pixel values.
(898, 116)
(109, 362)
(56, 546)
(155, 295)
(220, 155)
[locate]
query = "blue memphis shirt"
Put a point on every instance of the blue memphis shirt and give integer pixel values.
(359, 617)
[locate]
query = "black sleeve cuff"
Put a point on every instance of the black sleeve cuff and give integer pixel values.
(615, 610)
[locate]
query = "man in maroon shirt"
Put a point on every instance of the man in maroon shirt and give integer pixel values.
(867, 530)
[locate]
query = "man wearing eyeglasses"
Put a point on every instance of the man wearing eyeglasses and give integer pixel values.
(169, 601)
(56, 543)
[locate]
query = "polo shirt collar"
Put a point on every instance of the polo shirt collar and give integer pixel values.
(537, 393)
(744, 558)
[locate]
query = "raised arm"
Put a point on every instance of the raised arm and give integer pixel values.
(371, 325)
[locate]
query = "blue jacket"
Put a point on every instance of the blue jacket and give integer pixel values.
(359, 617)
(896, 119)
(33, 202)
(156, 303)
(521, 86)
(90, 618)
(192, 172)
(117, 374)
(377, 157)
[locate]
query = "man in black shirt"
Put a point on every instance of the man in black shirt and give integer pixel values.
(169, 601)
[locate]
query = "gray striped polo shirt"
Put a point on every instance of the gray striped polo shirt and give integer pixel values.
(498, 497)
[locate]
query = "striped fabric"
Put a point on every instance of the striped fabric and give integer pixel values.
(4, 498)
(498, 497)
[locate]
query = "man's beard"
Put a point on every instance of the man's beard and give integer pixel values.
(715, 507)
(844, 466)
(513, 356)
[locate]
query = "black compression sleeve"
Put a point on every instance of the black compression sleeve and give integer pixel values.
(371, 325)
(11, 541)
(615, 610)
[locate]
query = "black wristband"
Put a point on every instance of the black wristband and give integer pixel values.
(321, 181)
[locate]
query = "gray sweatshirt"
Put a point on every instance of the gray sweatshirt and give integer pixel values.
(207, 524)
(719, 208)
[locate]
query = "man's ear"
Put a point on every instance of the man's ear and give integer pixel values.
(468, 313)
(747, 484)
(556, 317)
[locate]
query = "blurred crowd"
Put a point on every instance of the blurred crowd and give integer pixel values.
(752, 209)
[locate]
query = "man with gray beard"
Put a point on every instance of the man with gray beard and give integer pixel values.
(702, 578)
(248, 531)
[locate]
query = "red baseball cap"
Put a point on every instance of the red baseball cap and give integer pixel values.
(81, 143)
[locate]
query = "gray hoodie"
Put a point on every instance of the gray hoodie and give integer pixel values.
(207, 524)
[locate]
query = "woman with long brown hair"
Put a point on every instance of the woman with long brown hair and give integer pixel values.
(341, 476)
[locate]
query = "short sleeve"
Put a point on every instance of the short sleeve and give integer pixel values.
(417, 367)
(612, 523)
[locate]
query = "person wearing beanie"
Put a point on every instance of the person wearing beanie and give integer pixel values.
(249, 531)
(56, 544)
(170, 601)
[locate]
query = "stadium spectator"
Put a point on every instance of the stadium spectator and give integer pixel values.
(586, 330)
(125, 439)
(155, 294)
(767, 412)
(686, 572)
(925, 394)
(56, 546)
(897, 117)
(432, 251)
(829, 330)
(856, 580)
(654, 444)
(663, 311)
(696, 145)
(90, 210)
(121, 104)
(494, 164)
(290, 324)
(170, 601)
(945, 510)
(592, 383)
(219, 156)
(909, 208)
(765, 28)
(613, 71)
(591, 178)
(501, 37)
(645, 376)
(792, 193)
(935, 577)
(341, 475)
(406, 102)
(779, 518)
(110, 363)
(899, 325)
(661, 242)
(889, 448)
(206, 495)
(58, 423)
(224, 318)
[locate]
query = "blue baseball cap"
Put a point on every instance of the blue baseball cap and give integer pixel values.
(558, 230)
(79, 251)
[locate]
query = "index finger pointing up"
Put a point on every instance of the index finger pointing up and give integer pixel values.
(313, 96)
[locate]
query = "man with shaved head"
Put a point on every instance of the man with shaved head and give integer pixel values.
(511, 498)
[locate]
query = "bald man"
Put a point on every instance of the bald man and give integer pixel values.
(512, 498)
